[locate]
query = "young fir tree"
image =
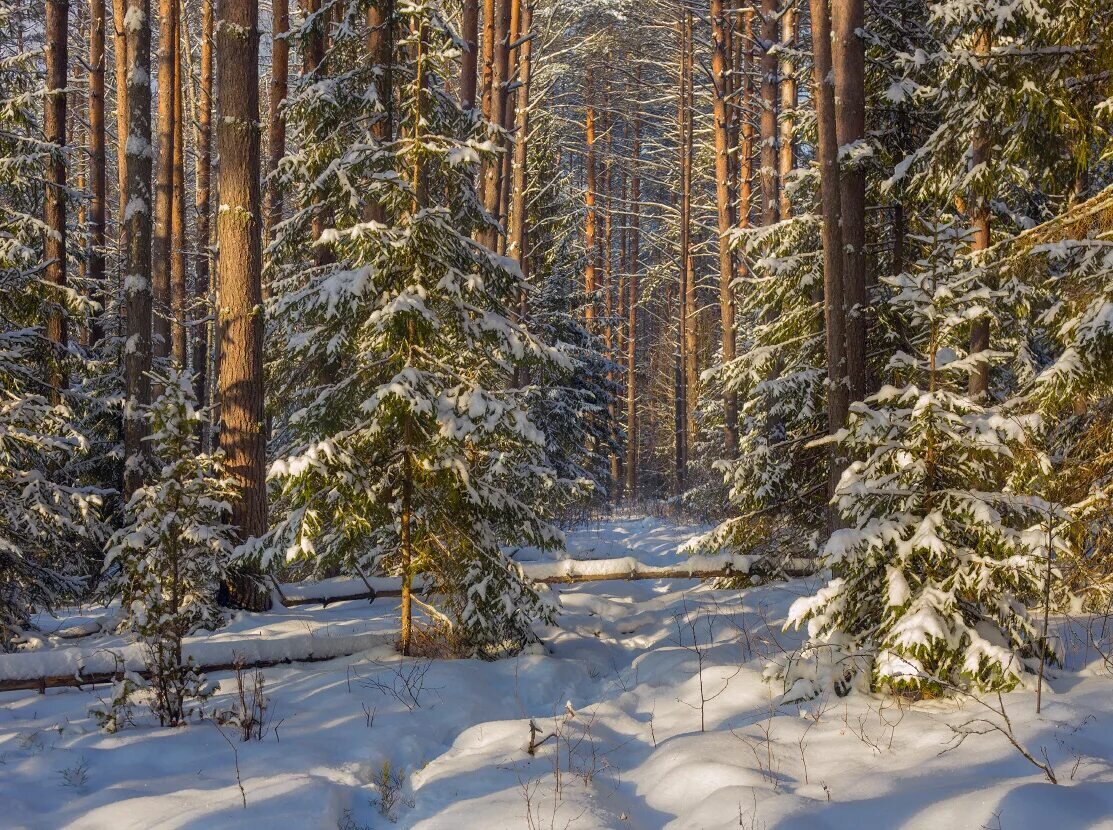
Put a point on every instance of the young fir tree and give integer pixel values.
(47, 519)
(404, 446)
(941, 556)
(175, 547)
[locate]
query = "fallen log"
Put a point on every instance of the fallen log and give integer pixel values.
(561, 572)
(39, 671)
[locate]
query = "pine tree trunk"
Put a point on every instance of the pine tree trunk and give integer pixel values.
(202, 270)
(721, 115)
(469, 31)
(690, 301)
(98, 182)
(850, 122)
(746, 129)
(276, 130)
(137, 218)
(770, 208)
(833, 310)
(980, 150)
(178, 304)
(380, 47)
(164, 178)
(589, 199)
(239, 263)
(492, 168)
(632, 309)
(54, 207)
(787, 149)
(120, 60)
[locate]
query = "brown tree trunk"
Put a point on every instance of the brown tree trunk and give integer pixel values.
(518, 229)
(164, 177)
(746, 129)
(632, 310)
(178, 302)
(469, 60)
(770, 212)
(688, 276)
(721, 114)
(276, 130)
(589, 199)
(203, 286)
(137, 218)
(54, 203)
(833, 311)
(509, 119)
(120, 47)
(380, 46)
(787, 148)
(98, 182)
(979, 219)
(492, 169)
(239, 264)
(850, 122)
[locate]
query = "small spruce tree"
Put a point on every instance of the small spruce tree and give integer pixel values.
(175, 548)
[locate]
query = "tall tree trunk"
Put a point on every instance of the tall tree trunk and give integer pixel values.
(54, 205)
(120, 58)
(137, 217)
(239, 264)
(770, 208)
(178, 303)
(164, 177)
(690, 300)
(786, 151)
(980, 150)
(850, 121)
(276, 131)
(492, 169)
(632, 308)
(589, 200)
(202, 269)
(833, 310)
(98, 182)
(510, 118)
(469, 31)
(721, 114)
(518, 228)
(746, 129)
(380, 48)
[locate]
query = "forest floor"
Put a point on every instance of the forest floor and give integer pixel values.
(651, 711)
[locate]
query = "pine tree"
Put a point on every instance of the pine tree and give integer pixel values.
(48, 519)
(175, 547)
(943, 550)
(406, 448)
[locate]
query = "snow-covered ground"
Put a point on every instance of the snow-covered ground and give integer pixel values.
(625, 742)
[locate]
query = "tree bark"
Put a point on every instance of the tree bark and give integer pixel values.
(689, 301)
(98, 182)
(833, 310)
(770, 208)
(202, 285)
(164, 178)
(239, 263)
(276, 131)
(492, 168)
(54, 203)
(589, 200)
(632, 309)
(787, 148)
(380, 46)
(980, 150)
(518, 224)
(178, 303)
(470, 59)
(850, 122)
(120, 58)
(721, 115)
(137, 217)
